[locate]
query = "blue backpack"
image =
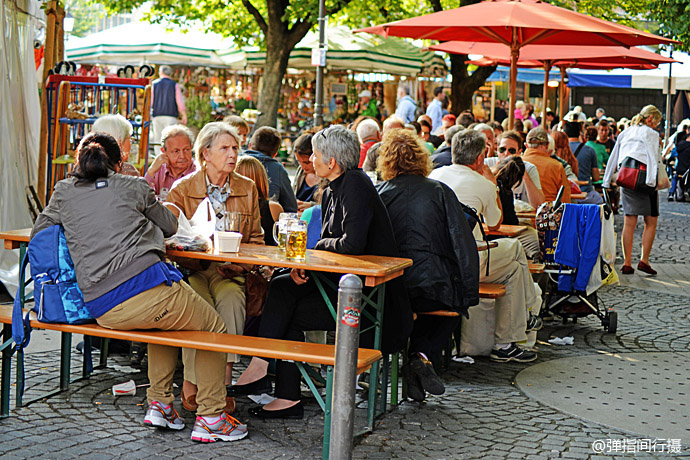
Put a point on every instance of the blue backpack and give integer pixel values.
(57, 296)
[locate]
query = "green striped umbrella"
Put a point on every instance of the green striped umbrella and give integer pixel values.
(361, 53)
(145, 43)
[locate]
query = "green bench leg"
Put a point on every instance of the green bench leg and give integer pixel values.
(6, 370)
(327, 413)
(395, 372)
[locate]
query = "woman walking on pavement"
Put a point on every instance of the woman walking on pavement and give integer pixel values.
(640, 142)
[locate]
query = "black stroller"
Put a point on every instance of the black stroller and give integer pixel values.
(569, 304)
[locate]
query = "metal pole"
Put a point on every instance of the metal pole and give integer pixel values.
(346, 344)
(667, 131)
(493, 100)
(318, 105)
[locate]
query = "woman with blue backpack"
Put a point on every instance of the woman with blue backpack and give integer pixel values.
(115, 229)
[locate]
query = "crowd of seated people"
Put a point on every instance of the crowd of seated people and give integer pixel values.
(414, 211)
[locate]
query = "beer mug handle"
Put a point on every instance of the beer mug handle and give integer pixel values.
(276, 231)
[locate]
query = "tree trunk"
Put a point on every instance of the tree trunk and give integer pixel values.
(464, 85)
(277, 54)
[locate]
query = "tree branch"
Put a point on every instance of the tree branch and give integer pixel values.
(257, 15)
(436, 5)
(298, 30)
(480, 75)
(339, 5)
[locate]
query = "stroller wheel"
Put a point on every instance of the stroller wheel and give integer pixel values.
(610, 322)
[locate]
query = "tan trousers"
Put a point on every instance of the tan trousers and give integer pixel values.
(174, 308)
(508, 266)
(226, 296)
(530, 242)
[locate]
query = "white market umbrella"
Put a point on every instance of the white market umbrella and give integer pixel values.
(144, 43)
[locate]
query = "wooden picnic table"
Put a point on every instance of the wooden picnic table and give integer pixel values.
(376, 271)
(510, 231)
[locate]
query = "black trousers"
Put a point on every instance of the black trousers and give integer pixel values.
(431, 333)
(291, 309)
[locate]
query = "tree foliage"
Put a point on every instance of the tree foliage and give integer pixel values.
(276, 24)
(86, 14)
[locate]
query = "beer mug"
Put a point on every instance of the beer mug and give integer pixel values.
(280, 228)
(296, 240)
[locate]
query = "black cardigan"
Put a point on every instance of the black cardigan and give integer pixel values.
(355, 221)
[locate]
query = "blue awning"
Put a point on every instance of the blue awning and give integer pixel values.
(532, 76)
(599, 81)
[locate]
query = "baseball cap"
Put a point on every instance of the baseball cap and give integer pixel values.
(365, 93)
(537, 136)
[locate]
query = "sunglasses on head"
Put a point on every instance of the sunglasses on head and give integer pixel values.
(511, 150)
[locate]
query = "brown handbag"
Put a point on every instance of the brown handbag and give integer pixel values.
(255, 290)
(255, 286)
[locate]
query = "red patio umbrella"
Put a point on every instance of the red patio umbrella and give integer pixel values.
(516, 23)
(563, 56)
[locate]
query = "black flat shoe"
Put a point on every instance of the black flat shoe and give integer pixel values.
(263, 385)
(295, 412)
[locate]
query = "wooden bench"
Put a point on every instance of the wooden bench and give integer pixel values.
(299, 352)
(509, 231)
(536, 268)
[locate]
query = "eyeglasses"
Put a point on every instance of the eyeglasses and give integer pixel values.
(511, 150)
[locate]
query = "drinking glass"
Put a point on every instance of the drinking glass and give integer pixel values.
(232, 221)
(296, 240)
(280, 228)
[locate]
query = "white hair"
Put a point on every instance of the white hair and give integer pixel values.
(208, 135)
(115, 125)
(367, 128)
(391, 121)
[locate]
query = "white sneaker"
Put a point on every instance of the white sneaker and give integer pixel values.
(227, 428)
(159, 417)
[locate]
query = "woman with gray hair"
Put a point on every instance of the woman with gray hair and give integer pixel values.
(354, 221)
(216, 147)
(121, 129)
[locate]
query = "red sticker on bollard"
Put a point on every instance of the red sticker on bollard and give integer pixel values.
(350, 317)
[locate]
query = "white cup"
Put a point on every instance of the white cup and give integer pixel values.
(128, 388)
(227, 241)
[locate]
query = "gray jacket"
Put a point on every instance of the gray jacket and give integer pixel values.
(114, 229)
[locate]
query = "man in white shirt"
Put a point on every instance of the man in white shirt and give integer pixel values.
(435, 110)
(475, 186)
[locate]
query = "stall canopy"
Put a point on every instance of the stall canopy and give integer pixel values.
(648, 79)
(361, 53)
(145, 43)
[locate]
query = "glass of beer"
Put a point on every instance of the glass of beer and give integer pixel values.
(280, 228)
(296, 240)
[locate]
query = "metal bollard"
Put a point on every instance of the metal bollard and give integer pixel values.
(345, 374)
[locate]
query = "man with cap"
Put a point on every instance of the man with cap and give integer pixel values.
(551, 173)
(367, 107)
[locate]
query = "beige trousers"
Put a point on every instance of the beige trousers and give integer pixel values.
(226, 296)
(174, 308)
(508, 266)
(530, 242)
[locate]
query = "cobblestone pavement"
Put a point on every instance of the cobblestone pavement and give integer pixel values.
(483, 415)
